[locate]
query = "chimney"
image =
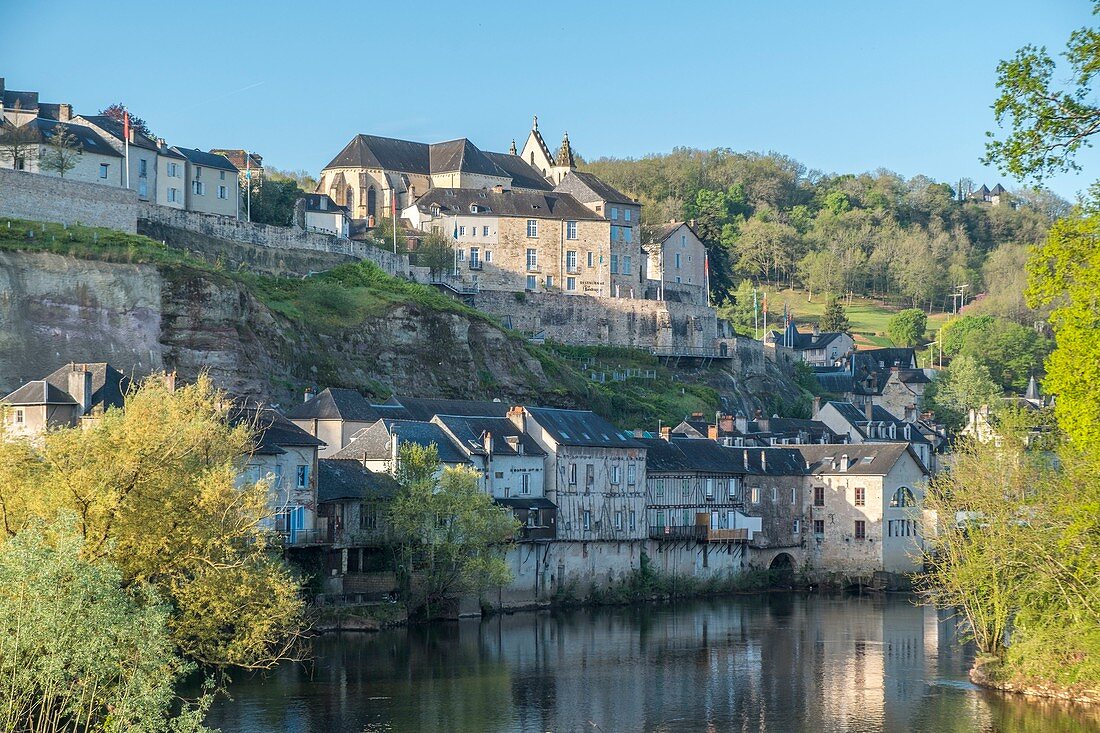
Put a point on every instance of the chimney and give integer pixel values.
(395, 452)
(514, 443)
(518, 416)
(639, 433)
(844, 463)
(745, 458)
(764, 461)
(161, 144)
(696, 416)
(498, 188)
(712, 432)
(308, 395)
(666, 432)
(725, 423)
(64, 112)
(869, 409)
(757, 414)
(816, 408)
(742, 423)
(80, 387)
(487, 442)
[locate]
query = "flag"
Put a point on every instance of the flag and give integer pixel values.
(126, 126)
(765, 304)
(455, 234)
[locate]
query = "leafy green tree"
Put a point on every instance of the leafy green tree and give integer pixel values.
(273, 201)
(62, 152)
(80, 648)
(1049, 124)
(836, 203)
(908, 327)
(953, 335)
(965, 385)
(436, 253)
(818, 272)
(740, 310)
(1012, 353)
(765, 248)
(835, 318)
(155, 491)
(19, 145)
(451, 537)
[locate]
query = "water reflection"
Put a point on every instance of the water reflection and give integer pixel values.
(774, 663)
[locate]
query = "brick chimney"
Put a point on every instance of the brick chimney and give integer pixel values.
(666, 432)
(308, 394)
(170, 381)
(712, 432)
(64, 112)
(518, 416)
(725, 423)
(80, 387)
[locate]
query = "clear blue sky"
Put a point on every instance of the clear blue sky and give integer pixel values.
(841, 86)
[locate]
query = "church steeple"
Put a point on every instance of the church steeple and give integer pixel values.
(565, 154)
(513, 150)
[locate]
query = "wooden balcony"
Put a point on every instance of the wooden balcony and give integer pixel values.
(698, 533)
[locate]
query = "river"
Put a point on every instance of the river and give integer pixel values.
(774, 662)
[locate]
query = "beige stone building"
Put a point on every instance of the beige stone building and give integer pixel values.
(517, 240)
(334, 416)
(211, 183)
(75, 394)
(676, 261)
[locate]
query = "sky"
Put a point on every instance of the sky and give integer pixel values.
(841, 86)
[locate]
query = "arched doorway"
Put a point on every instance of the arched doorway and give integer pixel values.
(782, 570)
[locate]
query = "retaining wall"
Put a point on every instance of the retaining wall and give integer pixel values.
(39, 197)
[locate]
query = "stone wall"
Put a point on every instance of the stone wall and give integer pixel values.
(263, 235)
(581, 319)
(25, 195)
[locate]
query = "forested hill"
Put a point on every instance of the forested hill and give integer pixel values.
(768, 218)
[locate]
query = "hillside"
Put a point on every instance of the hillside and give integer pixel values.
(91, 294)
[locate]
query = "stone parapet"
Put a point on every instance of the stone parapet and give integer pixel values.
(39, 197)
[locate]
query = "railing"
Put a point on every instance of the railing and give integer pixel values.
(305, 537)
(703, 352)
(698, 533)
(536, 533)
(475, 264)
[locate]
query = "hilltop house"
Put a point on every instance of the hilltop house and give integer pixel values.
(818, 348)
(676, 265)
(249, 165)
(334, 416)
(210, 183)
(324, 215)
(874, 424)
(75, 394)
(97, 161)
(863, 508)
(886, 377)
(144, 152)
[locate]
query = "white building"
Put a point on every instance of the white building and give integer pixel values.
(210, 183)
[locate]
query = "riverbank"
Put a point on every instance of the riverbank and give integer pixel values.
(988, 672)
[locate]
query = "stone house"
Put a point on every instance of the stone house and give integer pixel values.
(595, 475)
(323, 215)
(863, 508)
(352, 502)
(873, 424)
(97, 161)
(517, 241)
(144, 151)
(888, 377)
(378, 447)
(286, 456)
(250, 166)
(676, 265)
(210, 183)
(17, 108)
(817, 348)
(333, 415)
(75, 394)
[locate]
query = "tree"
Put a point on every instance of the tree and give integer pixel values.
(80, 649)
(117, 112)
(155, 491)
(835, 318)
(907, 327)
(63, 151)
(436, 253)
(741, 310)
(1012, 353)
(273, 201)
(19, 145)
(965, 385)
(450, 534)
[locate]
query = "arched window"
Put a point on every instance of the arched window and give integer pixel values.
(902, 498)
(349, 197)
(372, 201)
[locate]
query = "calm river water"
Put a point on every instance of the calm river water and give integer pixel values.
(778, 662)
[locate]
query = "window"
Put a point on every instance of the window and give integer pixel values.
(570, 283)
(685, 488)
(589, 475)
(626, 264)
(143, 188)
(143, 168)
(902, 498)
(20, 417)
(198, 172)
(732, 489)
(775, 495)
(484, 231)
(794, 496)
(631, 474)
(614, 213)
(103, 167)
(462, 231)
(616, 474)
(590, 259)
(819, 496)
(302, 477)
(659, 486)
(587, 520)
(683, 240)
(755, 495)
(570, 230)
(532, 259)
(549, 281)
(461, 255)
(221, 175)
(532, 228)
(633, 520)
(619, 521)
(368, 517)
(861, 496)
(819, 528)
(626, 214)
(614, 264)
(223, 192)
(475, 258)
(614, 232)
(572, 474)
(861, 529)
(709, 489)
(794, 527)
(525, 484)
(571, 260)
(488, 255)
(531, 284)
(173, 170)
(628, 233)
(677, 260)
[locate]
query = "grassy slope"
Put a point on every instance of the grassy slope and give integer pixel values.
(868, 317)
(350, 294)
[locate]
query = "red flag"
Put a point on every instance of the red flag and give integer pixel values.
(126, 125)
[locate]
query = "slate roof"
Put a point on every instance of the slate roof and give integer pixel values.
(272, 430)
(425, 408)
(882, 457)
(863, 364)
(686, 455)
(804, 341)
(373, 443)
(522, 173)
(88, 139)
(461, 155)
(588, 187)
(38, 392)
(879, 414)
(789, 426)
(114, 128)
(343, 478)
(524, 204)
(203, 158)
(406, 156)
(834, 380)
(109, 385)
(580, 428)
(469, 432)
(335, 404)
(26, 101)
(313, 203)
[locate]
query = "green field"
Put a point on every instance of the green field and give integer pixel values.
(868, 317)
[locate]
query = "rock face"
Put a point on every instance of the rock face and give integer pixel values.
(55, 309)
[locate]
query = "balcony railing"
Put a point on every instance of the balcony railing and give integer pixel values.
(475, 264)
(698, 533)
(526, 533)
(305, 537)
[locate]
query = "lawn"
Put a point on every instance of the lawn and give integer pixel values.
(868, 317)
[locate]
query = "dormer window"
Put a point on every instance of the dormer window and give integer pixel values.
(435, 210)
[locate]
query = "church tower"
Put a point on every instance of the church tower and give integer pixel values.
(537, 154)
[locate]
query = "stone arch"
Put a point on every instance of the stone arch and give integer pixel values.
(782, 569)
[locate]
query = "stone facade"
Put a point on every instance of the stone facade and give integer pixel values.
(26, 195)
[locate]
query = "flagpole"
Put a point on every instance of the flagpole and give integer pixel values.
(248, 185)
(126, 143)
(393, 195)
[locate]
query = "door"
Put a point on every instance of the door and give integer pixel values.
(296, 522)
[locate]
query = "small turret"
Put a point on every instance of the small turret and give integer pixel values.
(565, 153)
